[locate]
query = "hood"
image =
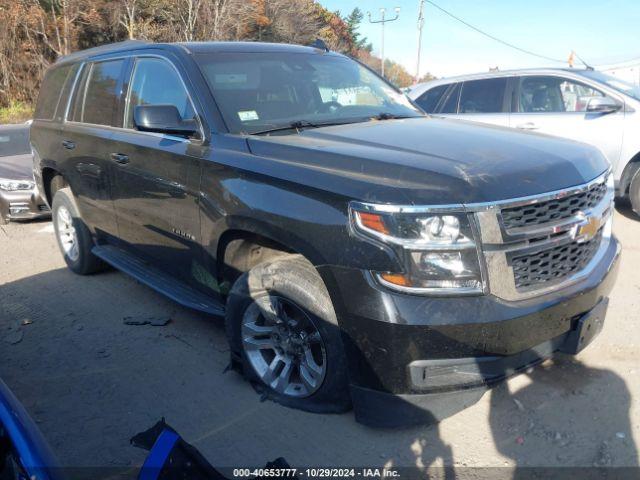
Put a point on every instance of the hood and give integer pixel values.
(430, 161)
(17, 167)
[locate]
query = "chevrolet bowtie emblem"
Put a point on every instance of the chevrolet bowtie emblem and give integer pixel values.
(589, 229)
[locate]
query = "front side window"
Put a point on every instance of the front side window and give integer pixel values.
(156, 82)
(483, 96)
(554, 95)
(429, 100)
(261, 91)
(100, 101)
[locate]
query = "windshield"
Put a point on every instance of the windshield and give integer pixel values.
(613, 82)
(257, 92)
(14, 141)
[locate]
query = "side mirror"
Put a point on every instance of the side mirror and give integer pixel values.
(603, 105)
(162, 119)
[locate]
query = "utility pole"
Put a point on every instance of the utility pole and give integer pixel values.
(420, 25)
(382, 21)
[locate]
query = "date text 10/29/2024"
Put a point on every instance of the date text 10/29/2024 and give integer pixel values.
(315, 473)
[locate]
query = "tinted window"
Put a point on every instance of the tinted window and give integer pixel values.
(451, 103)
(66, 91)
(554, 94)
(75, 111)
(50, 92)
(428, 101)
(102, 92)
(14, 141)
(483, 96)
(155, 82)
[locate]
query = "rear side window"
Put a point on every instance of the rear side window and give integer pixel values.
(451, 103)
(14, 141)
(97, 99)
(50, 90)
(483, 96)
(156, 82)
(428, 101)
(66, 91)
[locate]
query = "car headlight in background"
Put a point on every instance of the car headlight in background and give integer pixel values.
(438, 248)
(15, 185)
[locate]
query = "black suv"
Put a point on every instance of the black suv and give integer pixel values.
(361, 252)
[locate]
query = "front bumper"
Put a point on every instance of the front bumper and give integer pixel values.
(23, 205)
(415, 359)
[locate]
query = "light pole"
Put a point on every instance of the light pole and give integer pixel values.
(420, 25)
(382, 21)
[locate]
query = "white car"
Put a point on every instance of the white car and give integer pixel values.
(584, 105)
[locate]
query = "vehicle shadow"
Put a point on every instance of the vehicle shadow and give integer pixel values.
(91, 382)
(623, 207)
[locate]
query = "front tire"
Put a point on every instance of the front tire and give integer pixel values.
(283, 332)
(73, 236)
(634, 193)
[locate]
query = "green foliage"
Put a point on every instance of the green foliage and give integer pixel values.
(353, 21)
(16, 112)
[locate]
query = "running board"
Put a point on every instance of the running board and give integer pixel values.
(160, 281)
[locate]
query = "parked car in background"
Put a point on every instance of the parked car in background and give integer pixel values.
(584, 105)
(361, 252)
(19, 196)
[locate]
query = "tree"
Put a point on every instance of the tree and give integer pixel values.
(353, 21)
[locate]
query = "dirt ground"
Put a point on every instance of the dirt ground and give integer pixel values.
(91, 382)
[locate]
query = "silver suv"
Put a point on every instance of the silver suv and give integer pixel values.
(584, 105)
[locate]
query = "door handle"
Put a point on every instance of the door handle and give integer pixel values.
(68, 144)
(120, 158)
(528, 126)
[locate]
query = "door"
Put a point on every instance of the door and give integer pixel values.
(484, 101)
(558, 106)
(156, 177)
(86, 138)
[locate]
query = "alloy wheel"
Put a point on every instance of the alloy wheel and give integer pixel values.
(67, 235)
(283, 346)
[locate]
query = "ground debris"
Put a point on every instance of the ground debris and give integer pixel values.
(519, 404)
(155, 321)
(604, 456)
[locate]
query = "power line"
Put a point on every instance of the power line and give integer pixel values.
(511, 45)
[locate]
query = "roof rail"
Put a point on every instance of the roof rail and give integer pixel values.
(110, 47)
(319, 44)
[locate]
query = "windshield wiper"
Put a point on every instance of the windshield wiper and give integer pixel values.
(298, 125)
(391, 116)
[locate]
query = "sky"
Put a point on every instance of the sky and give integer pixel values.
(602, 32)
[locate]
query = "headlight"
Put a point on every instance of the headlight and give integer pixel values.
(438, 248)
(13, 185)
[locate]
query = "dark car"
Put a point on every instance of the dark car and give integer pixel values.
(19, 197)
(361, 252)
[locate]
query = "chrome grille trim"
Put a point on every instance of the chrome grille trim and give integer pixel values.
(500, 245)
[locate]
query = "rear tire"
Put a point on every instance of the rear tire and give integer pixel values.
(73, 236)
(284, 335)
(634, 193)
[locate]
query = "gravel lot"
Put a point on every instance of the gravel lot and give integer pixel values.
(92, 382)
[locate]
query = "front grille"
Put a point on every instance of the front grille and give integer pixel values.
(553, 265)
(44, 208)
(556, 209)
